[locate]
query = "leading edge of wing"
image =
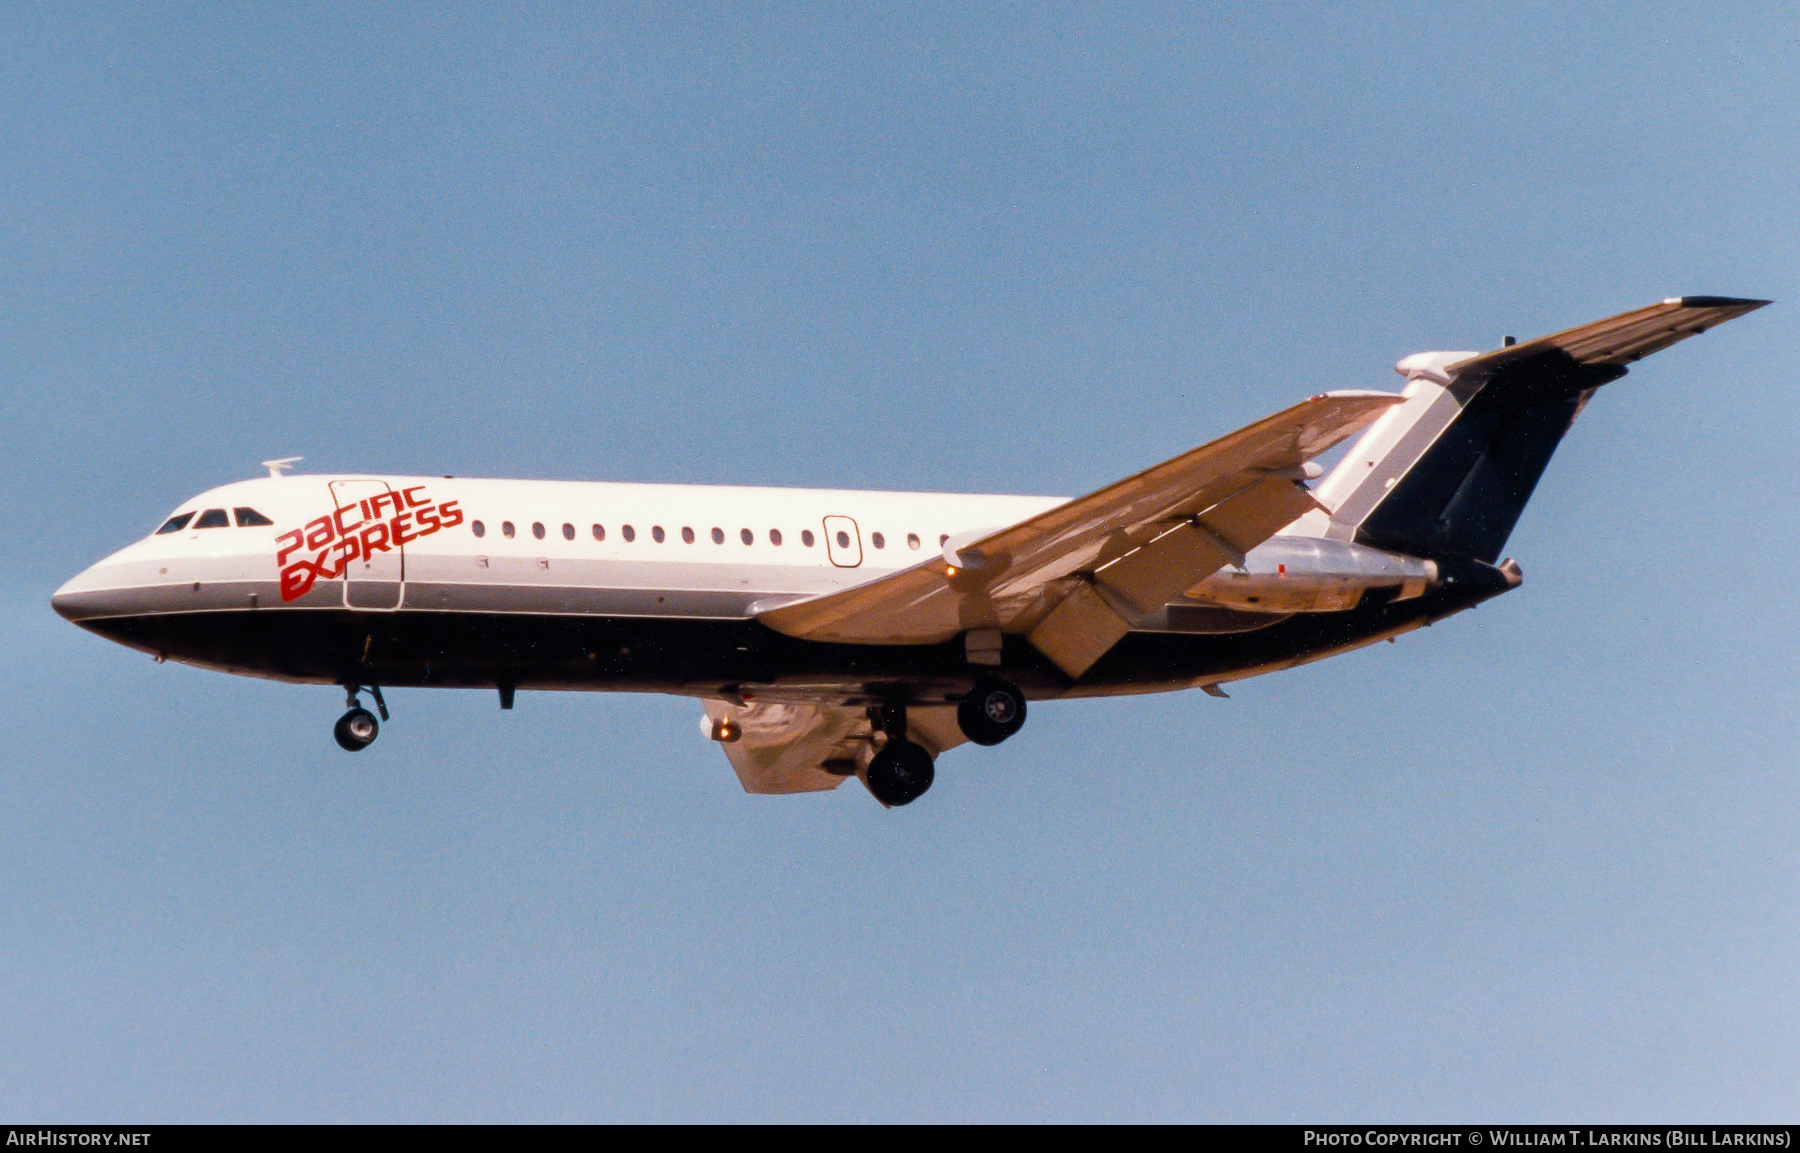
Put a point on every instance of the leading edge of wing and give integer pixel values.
(935, 600)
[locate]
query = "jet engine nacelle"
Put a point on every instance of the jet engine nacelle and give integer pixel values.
(1313, 575)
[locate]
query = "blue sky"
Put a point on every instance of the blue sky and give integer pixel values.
(1534, 863)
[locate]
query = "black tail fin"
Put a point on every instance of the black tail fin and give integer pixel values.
(1465, 493)
(1447, 474)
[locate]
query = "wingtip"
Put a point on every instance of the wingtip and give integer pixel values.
(1744, 303)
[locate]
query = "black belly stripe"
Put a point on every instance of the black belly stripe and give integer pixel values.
(697, 656)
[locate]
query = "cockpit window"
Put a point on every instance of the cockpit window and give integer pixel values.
(249, 516)
(213, 518)
(175, 523)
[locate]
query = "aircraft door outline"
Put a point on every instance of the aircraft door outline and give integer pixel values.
(375, 582)
(843, 541)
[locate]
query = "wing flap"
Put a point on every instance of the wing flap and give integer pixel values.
(1080, 630)
(1085, 625)
(1155, 574)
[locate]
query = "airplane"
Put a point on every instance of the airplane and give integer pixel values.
(831, 634)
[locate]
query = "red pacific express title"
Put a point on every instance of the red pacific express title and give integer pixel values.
(336, 541)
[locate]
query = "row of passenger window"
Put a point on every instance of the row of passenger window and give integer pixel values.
(628, 533)
(249, 517)
(214, 518)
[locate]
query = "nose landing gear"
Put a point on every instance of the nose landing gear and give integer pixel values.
(357, 729)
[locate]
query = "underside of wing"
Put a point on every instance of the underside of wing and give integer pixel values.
(1069, 577)
(793, 746)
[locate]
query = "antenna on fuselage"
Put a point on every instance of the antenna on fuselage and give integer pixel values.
(277, 467)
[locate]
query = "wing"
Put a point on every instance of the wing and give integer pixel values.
(1069, 577)
(802, 747)
(1623, 339)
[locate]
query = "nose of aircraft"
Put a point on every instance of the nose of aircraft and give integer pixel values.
(119, 586)
(74, 600)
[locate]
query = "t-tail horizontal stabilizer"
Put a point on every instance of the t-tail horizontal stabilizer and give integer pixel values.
(1447, 473)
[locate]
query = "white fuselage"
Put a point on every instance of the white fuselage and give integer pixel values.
(653, 549)
(555, 584)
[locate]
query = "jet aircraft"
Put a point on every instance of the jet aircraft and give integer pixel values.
(833, 634)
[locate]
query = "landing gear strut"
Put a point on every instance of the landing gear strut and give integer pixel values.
(994, 711)
(901, 772)
(356, 730)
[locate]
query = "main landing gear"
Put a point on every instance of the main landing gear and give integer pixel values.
(356, 730)
(994, 711)
(901, 772)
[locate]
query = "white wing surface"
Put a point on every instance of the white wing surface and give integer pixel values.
(1069, 578)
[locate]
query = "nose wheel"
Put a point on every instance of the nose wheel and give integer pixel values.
(357, 729)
